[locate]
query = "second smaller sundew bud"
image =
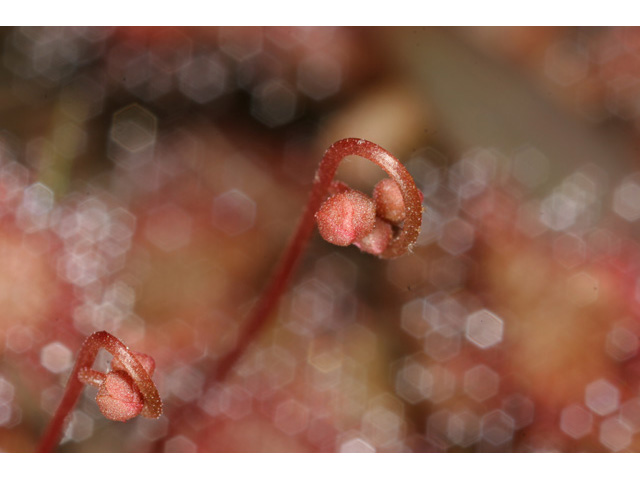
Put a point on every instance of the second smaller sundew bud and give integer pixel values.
(345, 217)
(389, 202)
(376, 241)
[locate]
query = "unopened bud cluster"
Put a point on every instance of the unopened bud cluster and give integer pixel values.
(118, 398)
(349, 217)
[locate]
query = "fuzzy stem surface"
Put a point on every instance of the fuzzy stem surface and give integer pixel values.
(322, 186)
(87, 355)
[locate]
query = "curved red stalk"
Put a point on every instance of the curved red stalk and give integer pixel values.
(322, 186)
(87, 355)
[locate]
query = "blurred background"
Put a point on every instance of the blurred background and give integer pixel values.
(151, 177)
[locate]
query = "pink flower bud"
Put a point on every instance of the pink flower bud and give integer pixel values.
(346, 217)
(389, 201)
(118, 397)
(377, 240)
(148, 363)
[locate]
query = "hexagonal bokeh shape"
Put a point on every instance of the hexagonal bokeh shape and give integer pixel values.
(6, 391)
(626, 200)
(414, 381)
(558, 211)
(185, 383)
(569, 250)
(233, 401)
(6, 412)
(438, 429)
(56, 357)
(464, 428)
(484, 329)
(134, 128)
(630, 414)
(312, 307)
(444, 384)
(456, 236)
(621, 344)
(234, 212)
(274, 103)
(615, 434)
(481, 382)
(497, 428)
(38, 199)
(356, 445)
(440, 346)
(602, 397)
(291, 417)
(278, 368)
(451, 315)
(79, 428)
(240, 43)
(575, 421)
(92, 221)
(470, 176)
(382, 425)
(204, 78)
(319, 76)
(19, 338)
(416, 317)
(519, 407)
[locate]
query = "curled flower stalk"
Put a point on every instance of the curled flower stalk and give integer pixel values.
(124, 392)
(386, 226)
(411, 197)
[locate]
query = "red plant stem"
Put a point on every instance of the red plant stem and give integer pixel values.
(87, 355)
(398, 246)
(91, 377)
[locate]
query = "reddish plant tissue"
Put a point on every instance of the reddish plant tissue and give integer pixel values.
(145, 360)
(118, 397)
(409, 196)
(153, 192)
(346, 217)
(377, 240)
(389, 202)
(327, 213)
(350, 217)
(123, 393)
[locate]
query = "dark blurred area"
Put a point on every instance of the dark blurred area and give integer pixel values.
(151, 177)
